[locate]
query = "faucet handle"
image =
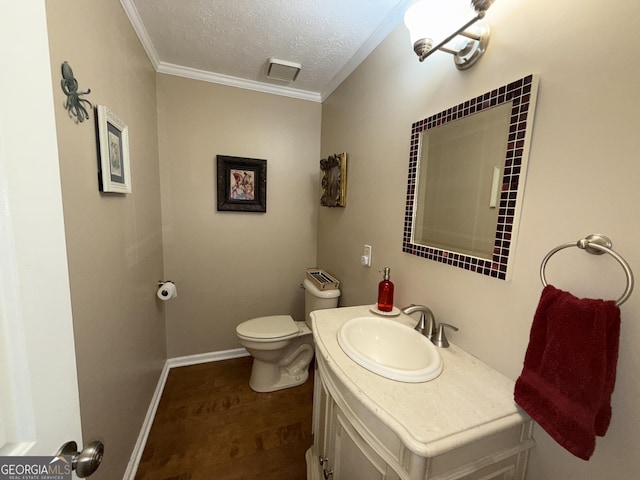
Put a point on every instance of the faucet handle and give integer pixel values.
(440, 339)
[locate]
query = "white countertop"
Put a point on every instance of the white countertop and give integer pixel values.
(468, 401)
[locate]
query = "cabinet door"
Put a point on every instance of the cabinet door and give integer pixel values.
(353, 459)
(322, 413)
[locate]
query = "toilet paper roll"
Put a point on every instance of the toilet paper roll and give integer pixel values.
(167, 291)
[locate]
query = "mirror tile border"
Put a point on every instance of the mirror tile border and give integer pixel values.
(523, 94)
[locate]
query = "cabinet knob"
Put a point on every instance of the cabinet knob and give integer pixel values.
(328, 475)
(323, 460)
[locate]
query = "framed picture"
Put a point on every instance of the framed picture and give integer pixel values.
(334, 180)
(114, 173)
(242, 184)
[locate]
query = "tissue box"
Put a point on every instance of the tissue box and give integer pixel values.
(321, 279)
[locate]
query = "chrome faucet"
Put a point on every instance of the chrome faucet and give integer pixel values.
(427, 323)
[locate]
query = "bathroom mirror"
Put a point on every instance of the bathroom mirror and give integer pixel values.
(467, 168)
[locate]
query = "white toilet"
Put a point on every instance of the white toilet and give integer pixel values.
(281, 347)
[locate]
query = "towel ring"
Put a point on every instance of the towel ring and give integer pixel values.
(597, 245)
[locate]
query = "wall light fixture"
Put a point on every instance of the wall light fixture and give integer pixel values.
(431, 21)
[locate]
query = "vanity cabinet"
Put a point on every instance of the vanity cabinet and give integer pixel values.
(363, 428)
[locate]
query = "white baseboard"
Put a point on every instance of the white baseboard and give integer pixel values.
(138, 449)
(207, 357)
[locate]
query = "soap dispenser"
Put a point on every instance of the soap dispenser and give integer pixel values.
(385, 292)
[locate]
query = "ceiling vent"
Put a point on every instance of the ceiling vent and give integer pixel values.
(283, 70)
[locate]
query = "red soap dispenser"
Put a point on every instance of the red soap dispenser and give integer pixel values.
(385, 292)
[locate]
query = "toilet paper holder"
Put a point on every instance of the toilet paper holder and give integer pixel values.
(166, 290)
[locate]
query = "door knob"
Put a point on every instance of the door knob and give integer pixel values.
(87, 461)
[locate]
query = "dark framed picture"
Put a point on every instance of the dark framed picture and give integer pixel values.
(114, 172)
(242, 184)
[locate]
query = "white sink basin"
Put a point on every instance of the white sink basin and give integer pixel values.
(390, 349)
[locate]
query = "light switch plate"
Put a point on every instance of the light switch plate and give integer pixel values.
(366, 256)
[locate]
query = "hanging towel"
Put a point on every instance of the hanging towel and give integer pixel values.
(570, 368)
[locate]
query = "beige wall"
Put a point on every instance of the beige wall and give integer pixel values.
(583, 178)
(232, 266)
(114, 241)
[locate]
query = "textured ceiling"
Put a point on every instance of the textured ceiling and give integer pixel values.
(230, 41)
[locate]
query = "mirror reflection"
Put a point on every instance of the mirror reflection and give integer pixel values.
(466, 173)
(460, 166)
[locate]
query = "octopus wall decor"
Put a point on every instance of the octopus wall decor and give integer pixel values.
(74, 104)
(334, 180)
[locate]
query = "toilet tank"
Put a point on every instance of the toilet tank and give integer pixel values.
(316, 299)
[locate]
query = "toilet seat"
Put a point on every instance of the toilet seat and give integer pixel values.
(268, 329)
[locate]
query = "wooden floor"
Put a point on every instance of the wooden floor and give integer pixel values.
(211, 425)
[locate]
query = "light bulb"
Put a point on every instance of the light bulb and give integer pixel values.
(437, 19)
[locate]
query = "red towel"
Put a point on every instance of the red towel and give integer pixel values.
(570, 368)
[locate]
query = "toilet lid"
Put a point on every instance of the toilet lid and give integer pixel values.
(268, 327)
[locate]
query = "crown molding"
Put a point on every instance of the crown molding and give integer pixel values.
(134, 17)
(205, 76)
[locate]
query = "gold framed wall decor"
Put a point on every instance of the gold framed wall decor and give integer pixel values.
(334, 180)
